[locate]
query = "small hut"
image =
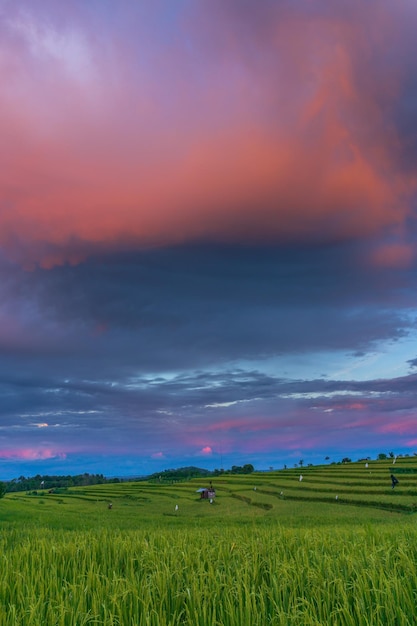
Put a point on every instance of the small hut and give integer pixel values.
(207, 493)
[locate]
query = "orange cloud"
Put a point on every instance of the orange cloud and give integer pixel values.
(291, 148)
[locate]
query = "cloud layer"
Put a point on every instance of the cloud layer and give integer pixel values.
(207, 232)
(223, 122)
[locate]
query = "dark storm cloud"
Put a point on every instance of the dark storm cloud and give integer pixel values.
(102, 325)
(146, 346)
(191, 306)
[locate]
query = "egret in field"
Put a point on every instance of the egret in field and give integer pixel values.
(176, 507)
(301, 477)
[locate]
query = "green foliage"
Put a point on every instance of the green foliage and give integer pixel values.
(3, 489)
(236, 469)
(181, 473)
(186, 473)
(186, 577)
(269, 550)
(80, 480)
(52, 482)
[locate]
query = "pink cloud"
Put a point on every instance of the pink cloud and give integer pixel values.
(393, 255)
(269, 146)
(402, 426)
(31, 454)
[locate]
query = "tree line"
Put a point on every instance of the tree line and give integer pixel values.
(186, 473)
(47, 482)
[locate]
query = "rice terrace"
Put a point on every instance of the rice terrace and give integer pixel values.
(319, 545)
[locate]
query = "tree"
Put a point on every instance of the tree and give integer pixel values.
(346, 460)
(248, 468)
(382, 456)
(301, 462)
(3, 489)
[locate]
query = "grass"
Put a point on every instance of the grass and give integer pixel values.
(254, 556)
(335, 492)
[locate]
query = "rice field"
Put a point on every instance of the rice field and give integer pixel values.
(270, 550)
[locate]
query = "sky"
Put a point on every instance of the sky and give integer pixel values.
(208, 233)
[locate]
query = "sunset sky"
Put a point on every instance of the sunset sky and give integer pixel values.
(208, 233)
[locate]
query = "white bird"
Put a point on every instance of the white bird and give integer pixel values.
(337, 497)
(176, 507)
(301, 477)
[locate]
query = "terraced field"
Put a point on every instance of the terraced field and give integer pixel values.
(346, 490)
(362, 484)
(338, 547)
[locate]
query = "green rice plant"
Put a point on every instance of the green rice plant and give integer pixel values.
(255, 574)
(252, 557)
